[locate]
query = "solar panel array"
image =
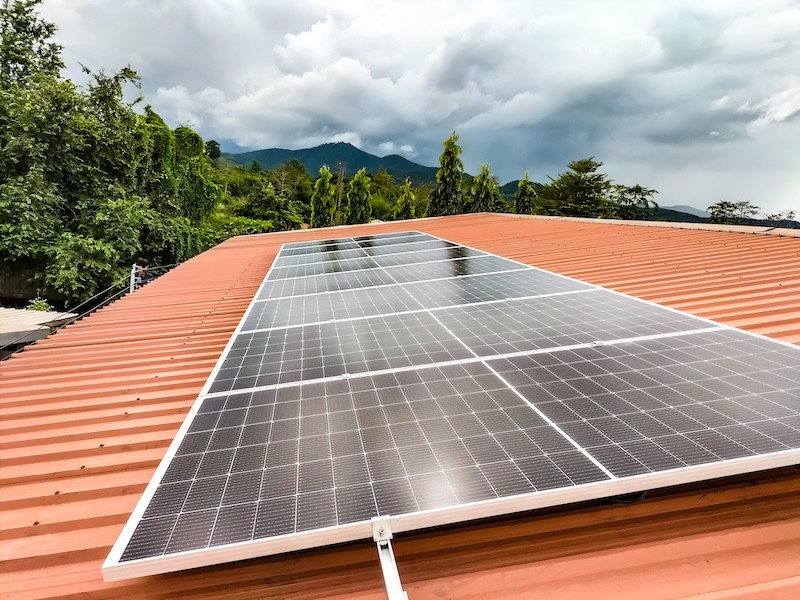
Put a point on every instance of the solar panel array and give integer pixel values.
(406, 376)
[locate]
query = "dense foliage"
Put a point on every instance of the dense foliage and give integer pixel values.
(87, 184)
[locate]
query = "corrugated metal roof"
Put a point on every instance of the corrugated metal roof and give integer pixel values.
(88, 413)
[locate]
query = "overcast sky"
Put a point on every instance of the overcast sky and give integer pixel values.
(699, 100)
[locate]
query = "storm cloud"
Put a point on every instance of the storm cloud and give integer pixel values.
(699, 101)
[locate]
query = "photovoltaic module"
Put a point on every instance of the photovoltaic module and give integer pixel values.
(409, 377)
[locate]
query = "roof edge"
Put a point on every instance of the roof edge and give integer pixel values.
(751, 229)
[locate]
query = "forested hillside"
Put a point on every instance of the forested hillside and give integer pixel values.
(348, 156)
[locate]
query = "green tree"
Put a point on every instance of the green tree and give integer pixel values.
(745, 210)
(25, 46)
(633, 202)
(445, 199)
(292, 182)
(732, 213)
(213, 150)
(39, 303)
(780, 218)
(263, 204)
(382, 185)
(722, 212)
(484, 193)
(323, 199)
(525, 198)
(357, 207)
(384, 193)
(582, 191)
(406, 202)
(252, 204)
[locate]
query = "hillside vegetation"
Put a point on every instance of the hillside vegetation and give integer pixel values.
(333, 155)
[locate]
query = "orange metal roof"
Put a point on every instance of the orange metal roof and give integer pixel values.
(88, 413)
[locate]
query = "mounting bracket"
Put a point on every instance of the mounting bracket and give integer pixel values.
(382, 534)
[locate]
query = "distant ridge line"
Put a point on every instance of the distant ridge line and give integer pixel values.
(335, 154)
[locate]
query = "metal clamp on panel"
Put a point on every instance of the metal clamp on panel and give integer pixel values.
(382, 534)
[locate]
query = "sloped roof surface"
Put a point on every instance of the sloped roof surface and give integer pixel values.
(88, 413)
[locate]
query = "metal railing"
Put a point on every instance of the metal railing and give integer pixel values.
(139, 276)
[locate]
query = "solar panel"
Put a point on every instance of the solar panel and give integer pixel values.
(279, 356)
(280, 462)
(490, 287)
(458, 267)
(667, 403)
(584, 317)
(321, 268)
(408, 245)
(299, 248)
(317, 308)
(427, 388)
(313, 257)
(331, 282)
(425, 256)
(370, 241)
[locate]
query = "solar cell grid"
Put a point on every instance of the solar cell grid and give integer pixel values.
(305, 310)
(389, 239)
(281, 356)
(303, 259)
(466, 411)
(408, 245)
(320, 268)
(425, 256)
(491, 286)
(295, 248)
(332, 282)
(395, 462)
(451, 268)
(563, 320)
(655, 413)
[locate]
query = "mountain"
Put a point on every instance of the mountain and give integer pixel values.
(509, 190)
(697, 212)
(663, 213)
(334, 154)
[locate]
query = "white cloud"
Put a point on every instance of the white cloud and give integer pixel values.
(721, 102)
(650, 88)
(349, 137)
(777, 108)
